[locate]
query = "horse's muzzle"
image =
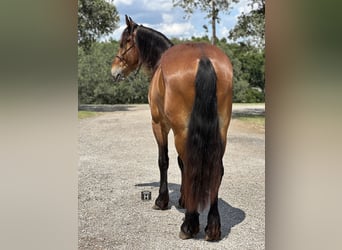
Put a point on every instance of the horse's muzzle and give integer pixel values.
(117, 74)
(118, 78)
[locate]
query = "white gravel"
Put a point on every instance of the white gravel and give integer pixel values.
(118, 160)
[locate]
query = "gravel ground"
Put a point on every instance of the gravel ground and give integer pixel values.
(118, 160)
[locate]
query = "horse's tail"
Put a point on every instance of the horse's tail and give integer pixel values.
(204, 148)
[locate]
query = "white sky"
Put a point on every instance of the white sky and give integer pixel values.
(162, 16)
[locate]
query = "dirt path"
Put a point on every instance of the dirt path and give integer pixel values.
(118, 159)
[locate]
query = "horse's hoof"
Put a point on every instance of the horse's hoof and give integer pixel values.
(208, 238)
(184, 236)
(212, 236)
(156, 207)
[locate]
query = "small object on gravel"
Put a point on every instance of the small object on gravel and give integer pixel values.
(145, 195)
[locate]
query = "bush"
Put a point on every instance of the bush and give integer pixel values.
(95, 85)
(245, 94)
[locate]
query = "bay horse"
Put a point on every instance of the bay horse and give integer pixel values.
(191, 93)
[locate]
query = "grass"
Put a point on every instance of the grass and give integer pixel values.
(254, 120)
(252, 115)
(87, 114)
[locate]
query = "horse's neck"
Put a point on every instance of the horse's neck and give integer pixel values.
(150, 52)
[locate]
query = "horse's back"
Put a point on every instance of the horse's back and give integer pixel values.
(179, 65)
(185, 58)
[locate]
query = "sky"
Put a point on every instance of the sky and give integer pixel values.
(162, 16)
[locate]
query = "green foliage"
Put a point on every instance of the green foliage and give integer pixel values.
(95, 18)
(251, 26)
(94, 69)
(245, 94)
(211, 7)
(249, 71)
(98, 17)
(97, 87)
(87, 114)
(204, 5)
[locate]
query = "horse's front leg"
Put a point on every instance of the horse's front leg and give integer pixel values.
(161, 132)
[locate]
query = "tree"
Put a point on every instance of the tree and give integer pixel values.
(95, 84)
(211, 7)
(251, 25)
(249, 70)
(95, 18)
(94, 69)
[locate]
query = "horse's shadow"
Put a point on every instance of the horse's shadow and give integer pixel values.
(230, 216)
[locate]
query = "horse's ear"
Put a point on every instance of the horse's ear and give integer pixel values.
(128, 22)
(131, 22)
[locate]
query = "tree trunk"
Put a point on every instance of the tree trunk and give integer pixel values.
(213, 22)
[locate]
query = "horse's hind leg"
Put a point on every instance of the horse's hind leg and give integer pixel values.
(161, 133)
(181, 200)
(213, 228)
(190, 226)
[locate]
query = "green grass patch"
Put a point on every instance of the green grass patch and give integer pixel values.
(255, 120)
(87, 114)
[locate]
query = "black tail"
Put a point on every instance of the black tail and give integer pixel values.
(204, 149)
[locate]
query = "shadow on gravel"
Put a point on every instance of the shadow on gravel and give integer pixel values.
(230, 216)
(105, 108)
(249, 112)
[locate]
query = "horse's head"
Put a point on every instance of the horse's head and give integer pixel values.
(127, 58)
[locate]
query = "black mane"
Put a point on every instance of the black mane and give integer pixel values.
(151, 44)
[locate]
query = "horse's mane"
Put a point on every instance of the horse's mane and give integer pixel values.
(151, 44)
